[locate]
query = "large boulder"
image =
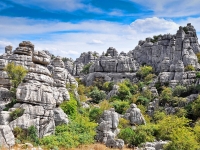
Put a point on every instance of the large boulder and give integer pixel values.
(7, 138)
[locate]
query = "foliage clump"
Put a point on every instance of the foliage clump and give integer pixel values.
(18, 112)
(144, 71)
(189, 68)
(86, 68)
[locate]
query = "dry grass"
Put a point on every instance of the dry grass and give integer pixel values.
(96, 146)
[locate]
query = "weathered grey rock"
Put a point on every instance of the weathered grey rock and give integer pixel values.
(60, 117)
(107, 129)
(4, 117)
(152, 107)
(112, 143)
(41, 57)
(134, 115)
(158, 145)
(5, 97)
(6, 136)
(113, 92)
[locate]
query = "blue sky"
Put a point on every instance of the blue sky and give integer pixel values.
(69, 27)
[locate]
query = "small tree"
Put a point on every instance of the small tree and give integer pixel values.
(97, 95)
(16, 73)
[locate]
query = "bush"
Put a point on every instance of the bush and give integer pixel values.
(182, 139)
(16, 73)
(189, 68)
(105, 105)
(108, 86)
(166, 95)
(95, 114)
(79, 131)
(123, 123)
(86, 68)
(97, 95)
(155, 38)
(197, 74)
(144, 71)
(127, 135)
(198, 57)
(18, 112)
(142, 100)
(149, 78)
(196, 107)
(120, 106)
(70, 107)
(26, 135)
(124, 91)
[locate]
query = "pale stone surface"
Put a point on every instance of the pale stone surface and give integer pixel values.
(107, 129)
(134, 115)
(6, 136)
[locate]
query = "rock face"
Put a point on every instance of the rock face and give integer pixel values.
(107, 129)
(76, 67)
(6, 136)
(40, 94)
(134, 115)
(158, 145)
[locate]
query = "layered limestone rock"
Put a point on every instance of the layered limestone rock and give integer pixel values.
(76, 67)
(134, 115)
(107, 129)
(41, 92)
(7, 138)
(169, 49)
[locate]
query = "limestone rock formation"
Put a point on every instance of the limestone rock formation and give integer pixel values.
(169, 49)
(40, 94)
(134, 115)
(107, 129)
(6, 136)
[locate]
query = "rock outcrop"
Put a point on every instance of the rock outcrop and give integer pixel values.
(134, 115)
(40, 94)
(107, 129)
(7, 138)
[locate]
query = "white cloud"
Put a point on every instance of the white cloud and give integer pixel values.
(95, 42)
(154, 24)
(171, 8)
(91, 35)
(59, 5)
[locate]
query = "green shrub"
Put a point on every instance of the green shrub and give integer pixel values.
(182, 139)
(155, 38)
(127, 135)
(169, 124)
(198, 57)
(18, 112)
(32, 134)
(144, 71)
(97, 95)
(86, 68)
(70, 107)
(124, 123)
(95, 114)
(124, 91)
(79, 131)
(166, 95)
(108, 86)
(16, 73)
(120, 106)
(142, 100)
(196, 107)
(149, 78)
(189, 68)
(197, 74)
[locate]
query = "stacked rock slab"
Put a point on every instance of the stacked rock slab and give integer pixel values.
(169, 49)
(134, 115)
(76, 67)
(40, 93)
(107, 129)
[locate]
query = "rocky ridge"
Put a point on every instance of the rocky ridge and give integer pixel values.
(40, 94)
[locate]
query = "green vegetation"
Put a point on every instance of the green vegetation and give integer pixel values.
(189, 68)
(155, 38)
(26, 135)
(185, 29)
(16, 73)
(79, 131)
(144, 71)
(97, 95)
(86, 68)
(18, 112)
